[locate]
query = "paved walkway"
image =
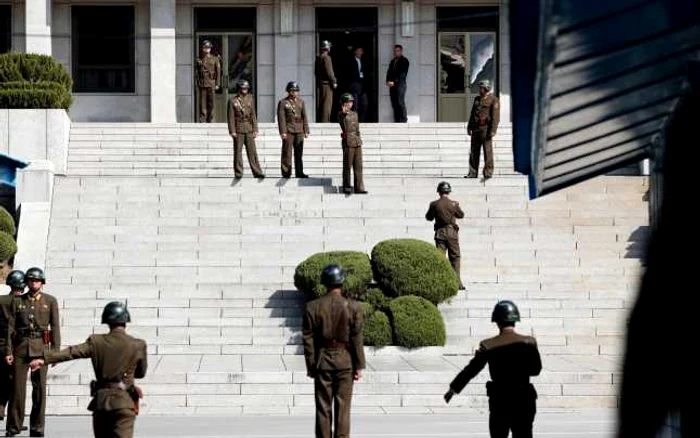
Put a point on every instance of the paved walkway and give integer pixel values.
(586, 424)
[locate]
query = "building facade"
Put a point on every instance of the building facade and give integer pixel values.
(134, 61)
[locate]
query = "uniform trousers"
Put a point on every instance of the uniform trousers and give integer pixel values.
(333, 393)
(295, 142)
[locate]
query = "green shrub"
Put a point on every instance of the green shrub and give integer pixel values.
(413, 267)
(7, 222)
(34, 95)
(8, 246)
(33, 81)
(416, 322)
(307, 277)
(377, 330)
(376, 298)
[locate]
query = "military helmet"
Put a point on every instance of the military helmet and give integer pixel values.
(243, 84)
(347, 97)
(35, 274)
(325, 44)
(206, 43)
(15, 280)
(485, 84)
(505, 311)
(292, 86)
(444, 187)
(333, 276)
(115, 313)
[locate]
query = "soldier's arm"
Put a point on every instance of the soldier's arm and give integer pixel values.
(304, 118)
(430, 215)
(142, 364)
(357, 346)
(388, 73)
(81, 351)
(231, 118)
(459, 213)
(55, 326)
(281, 119)
(218, 72)
(308, 336)
(495, 116)
(328, 64)
(535, 361)
(10, 328)
(474, 367)
(470, 124)
(255, 116)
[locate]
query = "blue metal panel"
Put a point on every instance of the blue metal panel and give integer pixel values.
(8, 169)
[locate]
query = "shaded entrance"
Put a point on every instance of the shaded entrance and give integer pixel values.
(346, 29)
(5, 28)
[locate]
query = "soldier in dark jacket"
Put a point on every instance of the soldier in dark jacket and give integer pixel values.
(34, 326)
(352, 145)
(445, 213)
(15, 280)
(294, 128)
(325, 83)
(243, 128)
(482, 127)
(334, 353)
(396, 81)
(512, 360)
(117, 359)
(208, 81)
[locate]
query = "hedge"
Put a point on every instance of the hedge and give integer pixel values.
(416, 322)
(7, 222)
(357, 267)
(377, 329)
(376, 298)
(413, 267)
(8, 246)
(34, 81)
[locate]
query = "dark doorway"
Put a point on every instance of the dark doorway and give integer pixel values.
(5, 28)
(346, 29)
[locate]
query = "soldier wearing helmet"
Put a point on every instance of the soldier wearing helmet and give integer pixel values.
(294, 128)
(352, 145)
(482, 127)
(512, 360)
(34, 327)
(334, 352)
(117, 359)
(445, 213)
(326, 82)
(15, 280)
(243, 128)
(208, 81)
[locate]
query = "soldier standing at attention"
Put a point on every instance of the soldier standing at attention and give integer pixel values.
(512, 359)
(445, 213)
(34, 327)
(334, 353)
(15, 280)
(208, 81)
(117, 359)
(352, 145)
(325, 83)
(243, 127)
(482, 127)
(294, 128)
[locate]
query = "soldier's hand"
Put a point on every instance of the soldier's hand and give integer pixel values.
(335, 85)
(358, 375)
(234, 135)
(469, 132)
(255, 135)
(217, 88)
(389, 84)
(36, 364)
(448, 395)
(9, 360)
(284, 136)
(306, 135)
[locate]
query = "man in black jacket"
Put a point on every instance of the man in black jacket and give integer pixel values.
(396, 81)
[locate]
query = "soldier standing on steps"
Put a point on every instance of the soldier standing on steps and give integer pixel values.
(294, 128)
(117, 359)
(243, 127)
(512, 359)
(334, 353)
(325, 83)
(352, 145)
(445, 213)
(208, 81)
(15, 280)
(482, 127)
(34, 327)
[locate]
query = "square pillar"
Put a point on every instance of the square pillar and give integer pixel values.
(37, 21)
(286, 56)
(163, 62)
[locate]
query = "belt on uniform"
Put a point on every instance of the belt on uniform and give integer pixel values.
(335, 344)
(30, 333)
(110, 385)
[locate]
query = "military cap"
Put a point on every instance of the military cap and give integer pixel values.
(35, 274)
(15, 280)
(325, 44)
(347, 97)
(505, 311)
(333, 276)
(206, 43)
(243, 84)
(485, 84)
(292, 86)
(444, 187)
(115, 313)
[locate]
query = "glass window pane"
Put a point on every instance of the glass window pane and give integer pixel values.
(482, 61)
(241, 61)
(452, 64)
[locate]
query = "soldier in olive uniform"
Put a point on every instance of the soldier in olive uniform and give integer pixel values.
(117, 359)
(15, 280)
(325, 83)
(208, 81)
(512, 359)
(243, 127)
(352, 145)
(334, 353)
(445, 213)
(294, 128)
(34, 326)
(482, 127)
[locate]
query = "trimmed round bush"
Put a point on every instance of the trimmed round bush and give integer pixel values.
(377, 330)
(413, 267)
(376, 298)
(7, 222)
(34, 81)
(416, 322)
(8, 246)
(357, 267)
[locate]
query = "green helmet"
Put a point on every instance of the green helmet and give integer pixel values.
(34, 274)
(485, 84)
(444, 187)
(325, 44)
(15, 280)
(243, 84)
(292, 86)
(332, 276)
(347, 97)
(505, 311)
(115, 313)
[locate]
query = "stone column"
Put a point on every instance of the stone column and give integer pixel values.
(37, 20)
(286, 58)
(504, 64)
(407, 34)
(163, 62)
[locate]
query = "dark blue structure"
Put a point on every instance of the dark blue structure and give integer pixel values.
(8, 169)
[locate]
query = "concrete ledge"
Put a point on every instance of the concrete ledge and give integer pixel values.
(32, 235)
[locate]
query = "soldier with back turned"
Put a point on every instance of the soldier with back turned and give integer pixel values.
(445, 213)
(326, 82)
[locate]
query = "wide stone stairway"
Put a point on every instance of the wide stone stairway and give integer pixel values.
(152, 214)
